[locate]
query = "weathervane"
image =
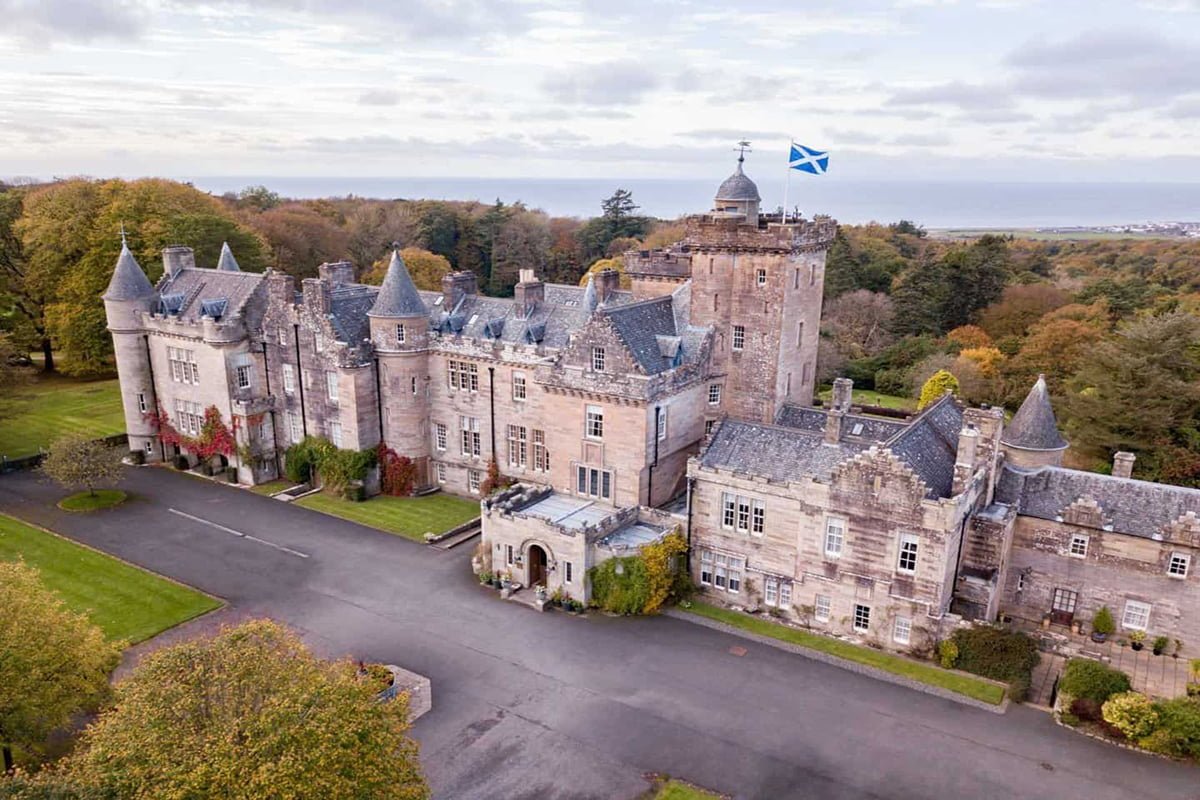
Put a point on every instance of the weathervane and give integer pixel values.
(743, 148)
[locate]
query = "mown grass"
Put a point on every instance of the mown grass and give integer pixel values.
(271, 487)
(410, 517)
(897, 665)
(34, 414)
(128, 603)
(88, 501)
(868, 397)
(674, 790)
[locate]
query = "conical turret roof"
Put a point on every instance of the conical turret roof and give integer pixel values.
(1034, 426)
(128, 281)
(590, 300)
(398, 295)
(227, 262)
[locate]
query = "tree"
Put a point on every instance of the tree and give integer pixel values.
(258, 198)
(299, 237)
(1019, 307)
(966, 336)
(617, 220)
(248, 713)
(942, 295)
(53, 662)
(522, 242)
(859, 322)
(77, 460)
(1054, 348)
(425, 268)
(939, 384)
(608, 263)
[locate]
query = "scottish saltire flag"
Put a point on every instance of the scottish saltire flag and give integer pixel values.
(808, 160)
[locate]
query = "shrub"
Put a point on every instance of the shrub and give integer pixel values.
(1087, 708)
(1103, 621)
(1160, 645)
(137, 457)
(948, 653)
(1132, 714)
(1178, 732)
(937, 385)
(640, 584)
(1001, 655)
(1093, 680)
(181, 462)
(340, 468)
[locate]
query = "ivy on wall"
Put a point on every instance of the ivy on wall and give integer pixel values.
(642, 583)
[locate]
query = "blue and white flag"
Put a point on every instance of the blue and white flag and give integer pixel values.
(808, 160)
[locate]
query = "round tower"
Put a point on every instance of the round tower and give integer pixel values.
(1031, 438)
(128, 297)
(400, 333)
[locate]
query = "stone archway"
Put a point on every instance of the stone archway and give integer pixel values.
(536, 565)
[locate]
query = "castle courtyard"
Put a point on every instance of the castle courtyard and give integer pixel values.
(551, 706)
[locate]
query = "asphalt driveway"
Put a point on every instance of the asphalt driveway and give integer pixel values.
(531, 705)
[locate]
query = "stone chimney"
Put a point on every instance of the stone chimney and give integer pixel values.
(337, 272)
(281, 288)
(1123, 464)
(454, 286)
(843, 390)
(528, 292)
(607, 282)
(317, 295)
(177, 257)
(965, 457)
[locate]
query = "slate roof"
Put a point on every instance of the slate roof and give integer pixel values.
(202, 286)
(227, 262)
(871, 429)
(639, 325)
(773, 451)
(738, 187)
(929, 445)
(1034, 427)
(1138, 508)
(350, 305)
(398, 296)
(128, 281)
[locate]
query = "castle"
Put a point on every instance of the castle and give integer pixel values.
(683, 403)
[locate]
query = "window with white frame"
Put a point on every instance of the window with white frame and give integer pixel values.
(518, 385)
(706, 567)
(771, 591)
(473, 480)
(1177, 565)
(862, 618)
(440, 470)
(708, 426)
(189, 417)
(743, 515)
(472, 442)
(662, 424)
(823, 608)
(1136, 615)
(739, 337)
(1079, 545)
(907, 562)
(289, 379)
(149, 446)
(541, 456)
(182, 365)
(728, 573)
(414, 385)
(785, 594)
(243, 376)
(518, 446)
(464, 376)
(760, 277)
(318, 341)
(283, 336)
(295, 434)
(902, 630)
(335, 434)
(593, 482)
(331, 386)
(598, 359)
(1021, 581)
(508, 554)
(728, 510)
(594, 423)
(399, 333)
(835, 536)
(439, 435)
(141, 402)
(714, 394)
(758, 517)
(568, 572)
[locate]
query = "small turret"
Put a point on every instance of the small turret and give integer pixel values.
(227, 262)
(128, 296)
(738, 194)
(1031, 438)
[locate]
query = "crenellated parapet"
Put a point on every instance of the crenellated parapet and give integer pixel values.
(731, 233)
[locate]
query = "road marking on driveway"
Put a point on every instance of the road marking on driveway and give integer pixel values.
(239, 534)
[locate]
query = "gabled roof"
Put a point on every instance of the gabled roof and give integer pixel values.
(930, 444)
(1034, 427)
(640, 325)
(227, 262)
(186, 293)
(778, 453)
(128, 281)
(398, 295)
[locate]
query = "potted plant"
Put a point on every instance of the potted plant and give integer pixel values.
(485, 578)
(1160, 645)
(1137, 640)
(1102, 625)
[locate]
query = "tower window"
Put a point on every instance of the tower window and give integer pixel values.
(761, 277)
(796, 279)
(739, 337)
(598, 359)
(716, 302)
(141, 402)
(399, 334)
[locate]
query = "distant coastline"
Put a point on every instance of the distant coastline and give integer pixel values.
(941, 205)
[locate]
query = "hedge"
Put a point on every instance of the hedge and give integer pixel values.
(1091, 680)
(998, 654)
(338, 468)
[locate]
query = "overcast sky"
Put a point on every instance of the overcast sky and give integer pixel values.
(1006, 89)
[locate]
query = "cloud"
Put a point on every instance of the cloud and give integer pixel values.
(961, 95)
(851, 136)
(379, 97)
(414, 19)
(47, 22)
(921, 140)
(613, 84)
(731, 135)
(1185, 109)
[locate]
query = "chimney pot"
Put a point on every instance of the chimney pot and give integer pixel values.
(178, 257)
(1123, 464)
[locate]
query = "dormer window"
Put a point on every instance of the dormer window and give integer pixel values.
(598, 359)
(400, 334)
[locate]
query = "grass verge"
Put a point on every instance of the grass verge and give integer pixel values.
(127, 602)
(37, 413)
(410, 517)
(869, 397)
(675, 790)
(93, 501)
(897, 665)
(271, 487)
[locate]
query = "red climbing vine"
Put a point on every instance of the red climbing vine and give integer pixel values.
(216, 438)
(397, 473)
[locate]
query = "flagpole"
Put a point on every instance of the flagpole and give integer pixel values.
(787, 184)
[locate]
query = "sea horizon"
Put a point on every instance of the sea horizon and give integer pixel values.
(932, 204)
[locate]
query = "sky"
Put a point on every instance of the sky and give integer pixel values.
(902, 89)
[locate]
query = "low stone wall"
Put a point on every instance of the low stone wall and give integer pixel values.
(35, 460)
(417, 687)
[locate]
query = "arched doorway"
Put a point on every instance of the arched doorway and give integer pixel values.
(537, 565)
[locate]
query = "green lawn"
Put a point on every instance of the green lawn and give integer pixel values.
(411, 517)
(126, 602)
(89, 501)
(907, 667)
(271, 487)
(674, 790)
(867, 397)
(39, 412)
